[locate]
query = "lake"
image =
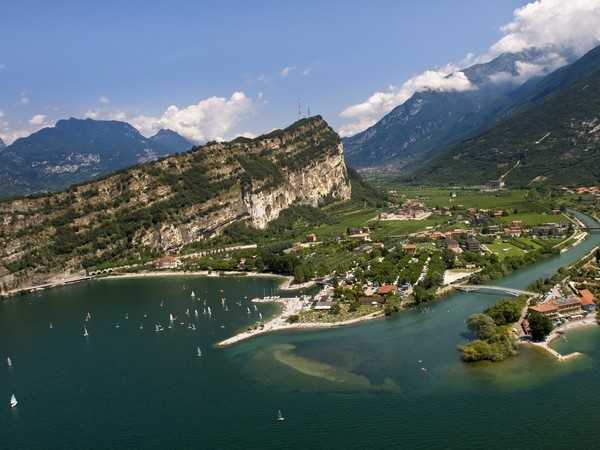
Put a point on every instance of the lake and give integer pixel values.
(391, 383)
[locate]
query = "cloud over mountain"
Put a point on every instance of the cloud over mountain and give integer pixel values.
(561, 28)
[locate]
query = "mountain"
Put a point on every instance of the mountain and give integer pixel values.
(167, 140)
(431, 120)
(2, 144)
(552, 135)
(77, 150)
(160, 206)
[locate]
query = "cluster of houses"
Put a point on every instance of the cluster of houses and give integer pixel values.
(560, 307)
(410, 210)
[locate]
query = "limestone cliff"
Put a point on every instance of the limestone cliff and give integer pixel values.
(177, 200)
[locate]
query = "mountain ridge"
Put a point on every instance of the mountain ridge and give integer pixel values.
(76, 150)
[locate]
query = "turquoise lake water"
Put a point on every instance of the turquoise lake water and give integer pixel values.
(391, 383)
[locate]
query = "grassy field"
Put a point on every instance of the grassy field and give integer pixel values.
(532, 218)
(504, 249)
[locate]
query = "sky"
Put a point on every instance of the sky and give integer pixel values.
(218, 69)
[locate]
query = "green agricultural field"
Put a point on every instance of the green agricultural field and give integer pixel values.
(505, 249)
(531, 218)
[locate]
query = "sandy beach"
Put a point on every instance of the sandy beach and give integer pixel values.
(560, 331)
(291, 306)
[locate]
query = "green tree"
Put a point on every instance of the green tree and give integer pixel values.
(482, 326)
(539, 325)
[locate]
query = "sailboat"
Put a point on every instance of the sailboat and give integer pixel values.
(88, 316)
(199, 352)
(280, 417)
(196, 313)
(162, 303)
(126, 316)
(51, 326)
(187, 312)
(85, 332)
(171, 318)
(13, 401)
(8, 361)
(193, 294)
(141, 326)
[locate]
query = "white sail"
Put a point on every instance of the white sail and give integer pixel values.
(171, 318)
(198, 352)
(13, 401)
(196, 313)
(8, 361)
(193, 294)
(85, 332)
(51, 326)
(280, 416)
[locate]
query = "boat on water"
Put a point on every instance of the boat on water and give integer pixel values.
(158, 328)
(85, 332)
(199, 352)
(171, 318)
(141, 326)
(117, 326)
(193, 294)
(51, 326)
(13, 401)
(280, 417)
(8, 361)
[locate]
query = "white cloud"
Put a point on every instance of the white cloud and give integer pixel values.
(367, 113)
(209, 119)
(560, 27)
(104, 100)
(571, 25)
(286, 70)
(24, 100)
(38, 119)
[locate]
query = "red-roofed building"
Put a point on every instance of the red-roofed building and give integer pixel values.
(386, 289)
(588, 301)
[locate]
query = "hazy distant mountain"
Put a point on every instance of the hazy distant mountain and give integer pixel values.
(429, 121)
(168, 140)
(2, 144)
(552, 131)
(77, 150)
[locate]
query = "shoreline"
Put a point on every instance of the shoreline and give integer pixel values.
(291, 306)
(562, 331)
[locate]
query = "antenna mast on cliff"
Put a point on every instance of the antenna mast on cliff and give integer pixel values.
(308, 111)
(299, 110)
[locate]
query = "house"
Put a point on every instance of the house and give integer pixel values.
(453, 246)
(386, 289)
(166, 262)
(323, 304)
(588, 301)
(373, 300)
(242, 264)
(409, 249)
(472, 244)
(311, 237)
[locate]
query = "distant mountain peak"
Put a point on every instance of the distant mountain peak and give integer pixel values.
(2, 144)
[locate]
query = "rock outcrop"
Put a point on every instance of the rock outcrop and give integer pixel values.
(166, 204)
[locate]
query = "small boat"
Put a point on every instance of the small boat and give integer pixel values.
(195, 313)
(193, 294)
(162, 304)
(187, 312)
(126, 316)
(85, 332)
(260, 316)
(141, 326)
(198, 352)
(8, 362)
(280, 417)
(88, 316)
(13, 401)
(117, 326)
(51, 326)
(158, 328)
(171, 318)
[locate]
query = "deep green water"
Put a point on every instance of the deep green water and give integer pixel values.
(358, 387)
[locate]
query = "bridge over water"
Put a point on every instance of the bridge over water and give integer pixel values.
(500, 289)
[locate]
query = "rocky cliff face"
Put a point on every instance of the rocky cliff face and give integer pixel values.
(177, 200)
